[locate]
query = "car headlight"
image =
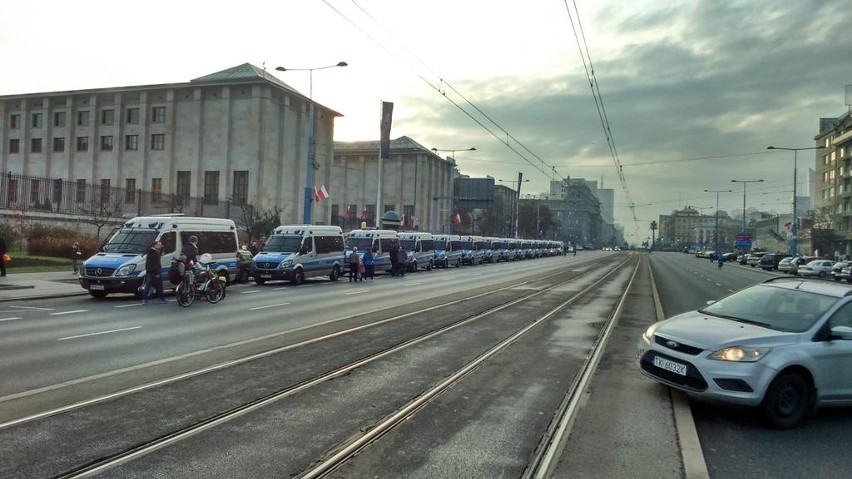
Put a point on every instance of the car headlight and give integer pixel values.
(740, 354)
(285, 264)
(126, 270)
(648, 335)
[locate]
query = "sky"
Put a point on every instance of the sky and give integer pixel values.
(692, 91)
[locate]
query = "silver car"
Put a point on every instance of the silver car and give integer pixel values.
(783, 346)
(819, 268)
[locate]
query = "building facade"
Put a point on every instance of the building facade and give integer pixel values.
(833, 195)
(238, 137)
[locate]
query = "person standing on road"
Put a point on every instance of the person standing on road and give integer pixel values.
(401, 258)
(190, 250)
(153, 273)
(368, 264)
(76, 254)
(2, 256)
(354, 262)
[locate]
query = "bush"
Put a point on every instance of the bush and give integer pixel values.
(55, 241)
(10, 234)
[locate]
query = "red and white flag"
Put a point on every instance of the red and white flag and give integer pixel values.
(320, 194)
(457, 219)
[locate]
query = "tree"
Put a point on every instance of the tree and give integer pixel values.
(653, 231)
(532, 213)
(102, 207)
(495, 220)
(257, 223)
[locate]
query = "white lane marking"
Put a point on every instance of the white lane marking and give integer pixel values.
(99, 333)
(268, 306)
(250, 291)
(69, 312)
(356, 292)
(133, 305)
(8, 319)
(33, 308)
(413, 284)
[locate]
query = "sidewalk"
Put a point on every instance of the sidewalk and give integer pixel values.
(22, 286)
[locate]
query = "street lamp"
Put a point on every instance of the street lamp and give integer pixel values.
(451, 193)
(716, 249)
(517, 203)
(309, 172)
(794, 228)
(745, 182)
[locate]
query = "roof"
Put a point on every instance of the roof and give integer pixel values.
(397, 145)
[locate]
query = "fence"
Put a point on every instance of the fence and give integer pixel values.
(23, 193)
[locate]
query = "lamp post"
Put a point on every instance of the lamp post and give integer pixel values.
(716, 249)
(517, 203)
(311, 165)
(450, 192)
(745, 183)
(794, 228)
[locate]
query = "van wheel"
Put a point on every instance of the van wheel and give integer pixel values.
(458, 263)
(98, 294)
(429, 266)
(446, 263)
(259, 280)
(299, 278)
(786, 402)
(335, 274)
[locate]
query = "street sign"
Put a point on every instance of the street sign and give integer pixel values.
(743, 243)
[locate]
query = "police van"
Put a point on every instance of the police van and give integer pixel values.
(447, 251)
(296, 252)
(420, 248)
(472, 247)
(380, 242)
(119, 266)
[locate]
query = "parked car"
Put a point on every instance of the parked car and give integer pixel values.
(846, 273)
(754, 258)
(770, 261)
(781, 346)
(729, 256)
(785, 265)
(799, 261)
(837, 269)
(819, 268)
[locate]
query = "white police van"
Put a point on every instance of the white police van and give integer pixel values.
(296, 252)
(119, 267)
(472, 247)
(420, 248)
(380, 242)
(447, 251)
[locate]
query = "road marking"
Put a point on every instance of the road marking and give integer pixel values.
(32, 308)
(69, 312)
(250, 291)
(355, 292)
(8, 319)
(268, 306)
(99, 333)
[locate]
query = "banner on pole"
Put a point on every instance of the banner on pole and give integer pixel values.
(385, 127)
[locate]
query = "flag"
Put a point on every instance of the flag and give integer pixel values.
(321, 193)
(414, 222)
(385, 128)
(457, 219)
(788, 224)
(363, 213)
(348, 214)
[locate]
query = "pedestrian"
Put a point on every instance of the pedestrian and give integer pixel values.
(76, 255)
(392, 253)
(401, 258)
(354, 262)
(154, 273)
(369, 271)
(3, 256)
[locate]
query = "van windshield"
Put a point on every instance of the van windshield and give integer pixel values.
(409, 244)
(360, 243)
(131, 240)
(282, 244)
(467, 244)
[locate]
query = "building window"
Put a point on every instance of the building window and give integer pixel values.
(158, 114)
(35, 145)
(106, 143)
(131, 142)
(15, 122)
(59, 118)
(83, 118)
(130, 190)
(241, 181)
(211, 187)
(57, 190)
(183, 182)
(158, 141)
(82, 143)
(34, 191)
(12, 194)
(14, 145)
(37, 120)
(133, 116)
(105, 190)
(156, 190)
(80, 194)
(59, 144)
(107, 117)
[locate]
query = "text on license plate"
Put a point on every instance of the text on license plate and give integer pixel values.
(97, 287)
(672, 366)
(266, 276)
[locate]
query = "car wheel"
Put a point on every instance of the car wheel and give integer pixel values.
(299, 278)
(335, 274)
(821, 274)
(786, 402)
(259, 281)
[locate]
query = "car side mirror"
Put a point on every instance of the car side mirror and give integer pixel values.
(842, 332)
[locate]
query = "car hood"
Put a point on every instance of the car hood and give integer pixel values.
(270, 257)
(711, 332)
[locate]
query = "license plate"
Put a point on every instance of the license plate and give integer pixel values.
(96, 287)
(672, 366)
(266, 276)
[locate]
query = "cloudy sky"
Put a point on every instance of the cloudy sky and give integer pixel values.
(693, 91)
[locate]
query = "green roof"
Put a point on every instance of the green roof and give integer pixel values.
(243, 73)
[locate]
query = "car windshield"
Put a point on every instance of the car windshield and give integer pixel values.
(360, 243)
(282, 244)
(781, 309)
(131, 240)
(409, 244)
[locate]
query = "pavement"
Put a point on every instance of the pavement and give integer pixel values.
(22, 286)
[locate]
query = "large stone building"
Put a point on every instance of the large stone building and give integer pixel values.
(235, 137)
(833, 195)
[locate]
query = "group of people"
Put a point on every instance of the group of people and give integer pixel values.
(154, 269)
(360, 268)
(398, 257)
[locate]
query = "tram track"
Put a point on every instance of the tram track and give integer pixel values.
(513, 295)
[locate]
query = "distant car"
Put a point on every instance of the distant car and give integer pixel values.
(729, 257)
(798, 261)
(770, 261)
(785, 265)
(754, 258)
(846, 273)
(783, 346)
(837, 270)
(819, 268)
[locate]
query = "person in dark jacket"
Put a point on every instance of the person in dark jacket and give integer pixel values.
(392, 253)
(369, 271)
(153, 273)
(401, 258)
(354, 262)
(190, 250)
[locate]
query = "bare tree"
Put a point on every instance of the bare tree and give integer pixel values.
(258, 223)
(102, 207)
